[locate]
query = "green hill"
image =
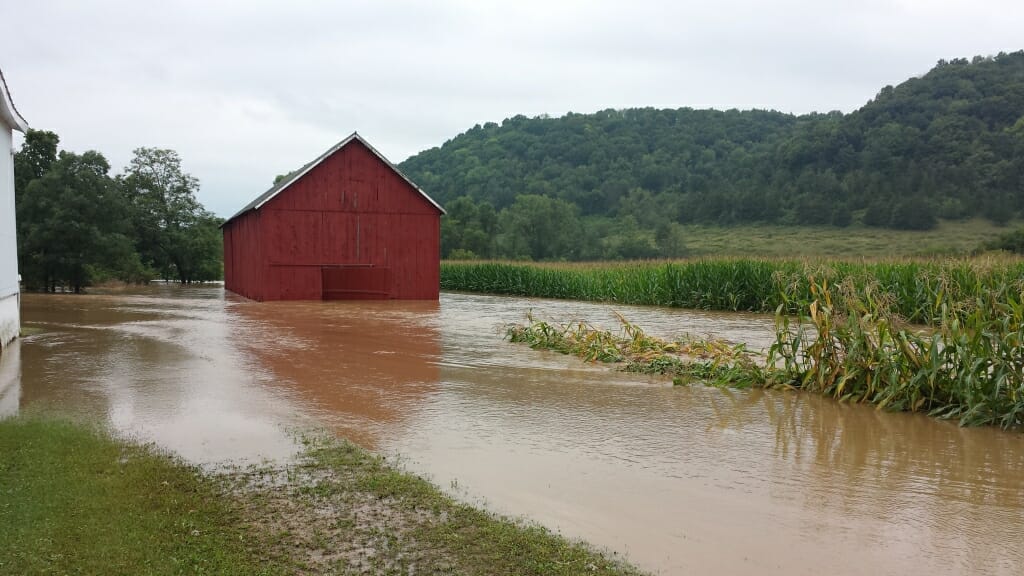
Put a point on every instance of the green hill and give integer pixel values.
(947, 145)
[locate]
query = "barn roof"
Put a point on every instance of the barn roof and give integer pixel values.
(294, 176)
(8, 113)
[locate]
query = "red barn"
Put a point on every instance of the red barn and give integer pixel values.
(348, 225)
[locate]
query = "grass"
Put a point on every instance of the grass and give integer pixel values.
(949, 238)
(74, 500)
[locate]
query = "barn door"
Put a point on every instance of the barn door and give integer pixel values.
(356, 283)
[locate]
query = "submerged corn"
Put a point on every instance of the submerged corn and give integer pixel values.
(847, 341)
(715, 362)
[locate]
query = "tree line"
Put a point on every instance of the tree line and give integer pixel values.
(77, 224)
(946, 145)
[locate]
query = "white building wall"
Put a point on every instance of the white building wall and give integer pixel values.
(10, 380)
(9, 321)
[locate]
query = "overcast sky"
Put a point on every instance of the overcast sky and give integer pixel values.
(248, 90)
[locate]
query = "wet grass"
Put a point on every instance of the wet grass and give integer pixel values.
(756, 285)
(341, 510)
(74, 500)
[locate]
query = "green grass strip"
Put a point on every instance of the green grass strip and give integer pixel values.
(73, 500)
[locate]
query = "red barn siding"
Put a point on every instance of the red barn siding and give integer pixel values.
(243, 257)
(350, 210)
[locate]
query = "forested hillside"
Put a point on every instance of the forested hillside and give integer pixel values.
(949, 144)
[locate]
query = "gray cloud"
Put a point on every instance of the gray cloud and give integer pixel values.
(247, 90)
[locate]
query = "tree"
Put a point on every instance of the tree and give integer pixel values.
(171, 228)
(671, 240)
(468, 229)
(71, 225)
(1010, 242)
(201, 258)
(913, 214)
(538, 227)
(37, 154)
(629, 241)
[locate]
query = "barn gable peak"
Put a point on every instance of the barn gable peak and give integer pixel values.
(296, 175)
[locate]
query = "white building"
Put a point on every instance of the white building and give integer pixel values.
(10, 120)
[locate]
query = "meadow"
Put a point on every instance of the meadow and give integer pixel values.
(950, 238)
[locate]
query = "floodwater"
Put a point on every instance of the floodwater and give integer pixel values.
(678, 479)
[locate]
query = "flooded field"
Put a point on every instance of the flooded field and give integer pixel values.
(680, 480)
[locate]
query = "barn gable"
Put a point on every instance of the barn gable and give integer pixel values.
(346, 225)
(297, 175)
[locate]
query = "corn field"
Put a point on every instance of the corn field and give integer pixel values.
(914, 289)
(843, 330)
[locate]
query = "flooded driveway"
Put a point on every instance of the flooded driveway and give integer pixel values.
(680, 480)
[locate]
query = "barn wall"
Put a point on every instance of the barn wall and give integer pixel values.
(350, 210)
(243, 258)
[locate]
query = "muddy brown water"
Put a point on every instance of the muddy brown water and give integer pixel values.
(679, 480)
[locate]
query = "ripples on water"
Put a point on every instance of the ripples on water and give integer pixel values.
(681, 479)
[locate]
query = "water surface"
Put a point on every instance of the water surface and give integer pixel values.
(680, 480)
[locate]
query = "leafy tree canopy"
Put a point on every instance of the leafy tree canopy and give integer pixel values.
(78, 225)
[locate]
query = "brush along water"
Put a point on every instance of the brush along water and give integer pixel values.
(714, 362)
(848, 342)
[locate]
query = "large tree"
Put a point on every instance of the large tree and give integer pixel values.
(72, 225)
(172, 230)
(37, 154)
(539, 228)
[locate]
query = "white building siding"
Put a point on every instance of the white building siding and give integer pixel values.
(10, 380)
(9, 321)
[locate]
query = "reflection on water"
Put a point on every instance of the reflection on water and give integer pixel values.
(167, 370)
(360, 368)
(681, 479)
